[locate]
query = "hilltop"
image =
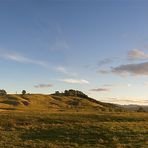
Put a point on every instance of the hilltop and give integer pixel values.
(70, 100)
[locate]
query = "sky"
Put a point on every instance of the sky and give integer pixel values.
(97, 46)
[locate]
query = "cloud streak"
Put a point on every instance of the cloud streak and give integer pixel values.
(43, 85)
(17, 57)
(61, 69)
(132, 69)
(100, 89)
(105, 61)
(13, 56)
(75, 81)
(137, 54)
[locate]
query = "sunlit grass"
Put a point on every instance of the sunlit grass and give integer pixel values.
(26, 129)
(68, 122)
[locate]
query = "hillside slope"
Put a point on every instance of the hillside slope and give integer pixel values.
(42, 102)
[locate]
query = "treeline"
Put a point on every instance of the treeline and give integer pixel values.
(71, 92)
(4, 92)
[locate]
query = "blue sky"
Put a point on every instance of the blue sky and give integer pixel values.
(97, 46)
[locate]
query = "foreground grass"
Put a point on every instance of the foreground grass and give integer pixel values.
(58, 130)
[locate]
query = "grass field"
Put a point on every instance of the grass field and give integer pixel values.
(73, 129)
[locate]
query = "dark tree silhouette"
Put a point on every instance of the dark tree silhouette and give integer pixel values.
(23, 92)
(72, 92)
(2, 92)
(140, 109)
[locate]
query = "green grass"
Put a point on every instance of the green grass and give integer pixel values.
(60, 130)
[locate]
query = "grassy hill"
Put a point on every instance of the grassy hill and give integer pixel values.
(59, 121)
(30, 129)
(40, 102)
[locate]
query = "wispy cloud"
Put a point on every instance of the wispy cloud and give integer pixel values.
(20, 58)
(43, 85)
(59, 42)
(108, 85)
(75, 81)
(105, 61)
(117, 85)
(13, 56)
(137, 54)
(103, 71)
(100, 89)
(64, 70)
(61, 69)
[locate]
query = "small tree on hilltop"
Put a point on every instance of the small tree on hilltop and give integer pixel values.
(140, 109)
(3, 92)
(23, 92)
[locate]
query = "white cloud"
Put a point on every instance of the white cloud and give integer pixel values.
(137, 54)
(75, 81)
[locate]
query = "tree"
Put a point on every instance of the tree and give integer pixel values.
(57, 93)
(23, 92)
(2, 92)
(140, 109)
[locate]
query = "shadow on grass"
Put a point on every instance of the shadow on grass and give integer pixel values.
(89, 135)
(8, 108)
(11, 102)
(79, 135)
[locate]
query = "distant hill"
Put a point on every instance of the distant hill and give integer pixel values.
(54, 102)
(135, 107)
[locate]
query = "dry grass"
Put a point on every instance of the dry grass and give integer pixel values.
(36, 129)
(67, 122)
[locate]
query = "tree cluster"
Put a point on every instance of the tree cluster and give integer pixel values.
(3, 92)
(72, 92)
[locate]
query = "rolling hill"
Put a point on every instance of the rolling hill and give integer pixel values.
(41, 102)
(70, 119)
